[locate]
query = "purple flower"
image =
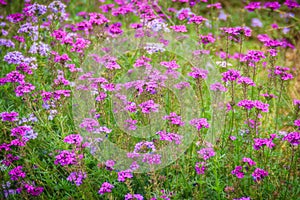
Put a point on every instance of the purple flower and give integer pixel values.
(246, 81)
(293, 138)
(9, 116)
(218, 87)
(255, 22)
(179, 28)
(149, 106)
(231, 75)
(198, 73)
(73, 139)
(109, 164)
(14, 57)
(252, 6)
(249, 161)
(200, 167)
(165, 136)
(291, 4)
(142, 147)
(297, 123)
(65, 158)
(206, 153)
(196, 20)
(17, 173)
(249, 104)
(272, 5)
(122, 175)
(199, 123)
(89, 124)
(32, 190)
(24, 88)
(76, 177)
(133, 197)
(261, 142)
(259, 174)
(238, 171)
(152, 158)
(105, 188)
(206, 39)
(173, 118)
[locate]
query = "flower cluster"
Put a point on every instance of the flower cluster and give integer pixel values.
(199, 123)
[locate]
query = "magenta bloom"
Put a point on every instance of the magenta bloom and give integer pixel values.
(32, 190)
(259, 174)
(171, 137)
(293, 138)
(200, 167)
(198, 73)
(77, 177)
(65, 158)
(105, 188)
(272, 5)
(73, 139)
(24, 88)
(249, 161)
(133, 197)
(179, 28)
(122, 175)
(11, 117)
(149, 106)
(238, 171)
(206, 153)
(249, 104)
(252, 6)
(196, 20)
(246, 81)
(297, 123)
(175, 119)
(206, 39)
(199, 123)
(231, 75)
(17, 173)
(218, 87)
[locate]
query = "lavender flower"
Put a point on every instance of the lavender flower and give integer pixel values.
(173, 118)
(133, 197)
(149, 106)
(73, 139)
(14, 57)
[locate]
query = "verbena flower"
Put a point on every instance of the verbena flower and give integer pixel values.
(149, 106)
(293, 138)
(73, 139)
(259, 174)
(123, 175)
(9, 116)
(66, 157)
(200, 167)
(133, 197)
(171, 137)
(198, 73)
(77, 177)
(249, 161)
(179, 28)
(206, 153)
(105, 188)
(17, 173)
(175, 119)
(238, 171)
(230, 75)
(253, 6)
(199, 123)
